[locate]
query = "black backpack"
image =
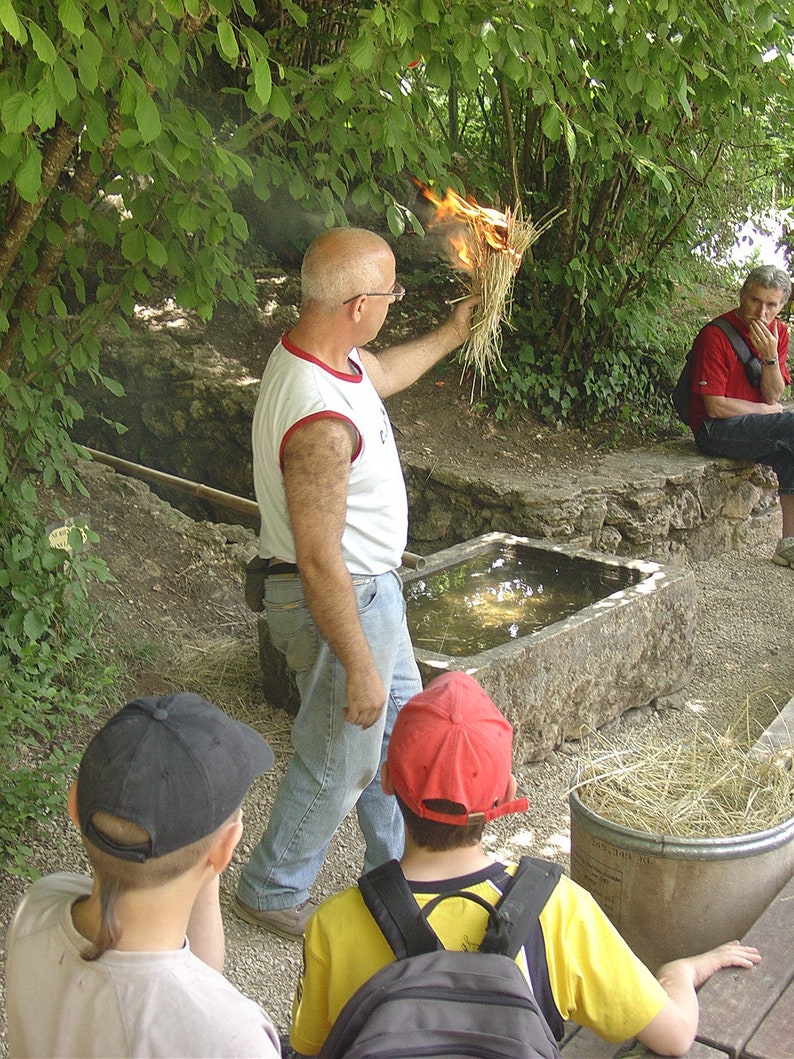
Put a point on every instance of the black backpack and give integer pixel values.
(682, 391)
(435, 1002)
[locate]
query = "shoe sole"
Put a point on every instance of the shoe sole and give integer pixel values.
(781, 560)
(250, 917)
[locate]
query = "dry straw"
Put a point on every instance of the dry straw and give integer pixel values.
(495, 245)
(492, 278)
(226, 670)
(709, 787)
(487, 245)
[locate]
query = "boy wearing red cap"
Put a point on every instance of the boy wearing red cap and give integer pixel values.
(449, 766)
(102, 966)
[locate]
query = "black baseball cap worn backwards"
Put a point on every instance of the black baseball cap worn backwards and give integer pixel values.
(176, 766)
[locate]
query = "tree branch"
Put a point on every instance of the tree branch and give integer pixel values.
(59, 149)
(82, 186)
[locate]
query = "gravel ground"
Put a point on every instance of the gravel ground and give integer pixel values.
(743, 658)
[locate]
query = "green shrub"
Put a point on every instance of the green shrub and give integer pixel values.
(52, 672)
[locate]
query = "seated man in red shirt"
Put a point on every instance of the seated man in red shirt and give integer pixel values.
(732, 416)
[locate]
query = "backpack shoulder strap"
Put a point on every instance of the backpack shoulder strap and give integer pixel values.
(740, 347)
(752, 365)
(393, 907)
(521, 905)
(520, 908)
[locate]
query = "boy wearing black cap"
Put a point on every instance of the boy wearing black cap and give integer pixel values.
(449, 766)
(103, 967)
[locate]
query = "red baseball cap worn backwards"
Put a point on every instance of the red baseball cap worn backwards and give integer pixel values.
(451, 743)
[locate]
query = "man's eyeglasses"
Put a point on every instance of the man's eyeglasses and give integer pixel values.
(397, 292)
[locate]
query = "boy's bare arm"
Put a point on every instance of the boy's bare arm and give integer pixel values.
(673, 1030)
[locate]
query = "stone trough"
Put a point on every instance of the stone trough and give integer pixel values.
(624, 650)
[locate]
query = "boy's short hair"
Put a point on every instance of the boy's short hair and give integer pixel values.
(451, 744)
(177, 767)
(439, 838)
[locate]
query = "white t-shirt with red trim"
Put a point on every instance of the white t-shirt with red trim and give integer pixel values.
(297, 388)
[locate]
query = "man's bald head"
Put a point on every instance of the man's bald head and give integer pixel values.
(343, 262)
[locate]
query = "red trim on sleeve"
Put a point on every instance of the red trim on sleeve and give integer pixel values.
(311, 419)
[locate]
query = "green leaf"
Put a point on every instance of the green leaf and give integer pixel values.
(570, 138)
(28, 177)
(10, 22)
(655, 95)
(362, 52)
(155, 250)
(227, 41)
(239, 226)
(17, 112)
(89, 56)
(133, 245)
(343, 90)
(764, 18)
(437, 67)
(263, 82)
(635, 79)
(42, 45)
(112, 385)
(58, 305)
(44, 108)
(64, 81)
(681, 92)
(396, 219)
(190, 217)
(147, 117)
(429, 11)
(34, 624)
(297, 14)
(152, 65)
(551, 123)
(279, 104)
(70, 17)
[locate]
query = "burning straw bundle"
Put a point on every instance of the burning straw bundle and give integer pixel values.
(707, 788)
(488, 246)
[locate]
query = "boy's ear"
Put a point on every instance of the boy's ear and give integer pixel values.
(71, 805)
(222, 849)
(386, 784)
(512, 787)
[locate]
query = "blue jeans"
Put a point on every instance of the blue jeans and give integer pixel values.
(335, 765)
(765, 439)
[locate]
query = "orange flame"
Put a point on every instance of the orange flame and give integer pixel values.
(471, 229)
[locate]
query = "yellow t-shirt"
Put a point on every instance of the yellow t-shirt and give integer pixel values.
(597, 981)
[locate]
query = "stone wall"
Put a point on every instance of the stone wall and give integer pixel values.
(188, 412)
(666, 502)
(185, 411)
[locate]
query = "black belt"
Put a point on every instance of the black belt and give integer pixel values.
(282, 568)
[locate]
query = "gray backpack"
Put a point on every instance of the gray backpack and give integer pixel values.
(435, 1002)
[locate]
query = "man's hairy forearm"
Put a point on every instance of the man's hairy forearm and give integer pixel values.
(331, 600)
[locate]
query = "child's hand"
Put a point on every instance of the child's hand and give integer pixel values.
(731, 954)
